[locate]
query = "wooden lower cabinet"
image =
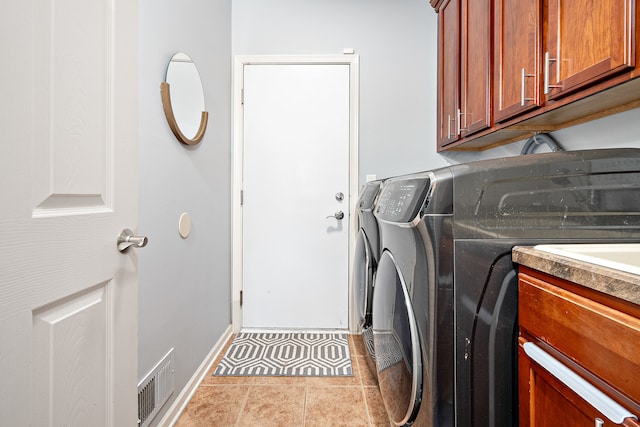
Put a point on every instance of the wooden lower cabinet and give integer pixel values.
(578, 359)
(547, 402)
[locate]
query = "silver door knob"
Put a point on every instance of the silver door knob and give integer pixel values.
(337, 215)
(126, 239)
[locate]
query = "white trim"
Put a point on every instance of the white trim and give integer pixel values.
(178, 406)
(238, 121)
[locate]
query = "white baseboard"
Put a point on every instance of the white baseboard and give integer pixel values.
(177, 408)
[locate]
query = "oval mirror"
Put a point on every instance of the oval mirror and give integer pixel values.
(183, 100)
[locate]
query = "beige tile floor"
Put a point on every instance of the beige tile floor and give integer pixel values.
(289, 401)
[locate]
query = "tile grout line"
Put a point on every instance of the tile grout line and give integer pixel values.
(361, 378)
(243, 406)
(364, 395)
(304, 407)
(357, 367)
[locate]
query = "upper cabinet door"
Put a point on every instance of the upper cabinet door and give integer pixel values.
(448, 72)
(475, 56)
(584, 47)
(517, 36)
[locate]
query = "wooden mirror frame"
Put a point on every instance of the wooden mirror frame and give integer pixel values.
(171, 119)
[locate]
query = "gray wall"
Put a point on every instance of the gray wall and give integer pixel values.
(618, 131)
(396, 41)
(184, 298)
(397, 44)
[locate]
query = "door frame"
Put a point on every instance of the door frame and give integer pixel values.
(353, 61)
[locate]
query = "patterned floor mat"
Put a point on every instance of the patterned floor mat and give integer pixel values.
(287, 354)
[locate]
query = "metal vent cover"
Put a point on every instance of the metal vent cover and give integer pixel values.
(154, 390)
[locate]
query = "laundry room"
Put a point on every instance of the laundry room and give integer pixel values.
(318, 112)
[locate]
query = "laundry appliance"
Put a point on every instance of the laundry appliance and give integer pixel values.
(413, 299)
(365, 263)
(445, 300)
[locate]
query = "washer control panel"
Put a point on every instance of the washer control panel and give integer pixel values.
(368, 195)
(401, 200)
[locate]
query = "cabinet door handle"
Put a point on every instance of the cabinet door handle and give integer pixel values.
(460, 128)
(523, 99)
(449, 125)
(600, 401)
(547, 64)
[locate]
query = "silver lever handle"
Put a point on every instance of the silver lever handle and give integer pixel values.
(547, 69)
(126, 239)
(337, 215)
(523, 88)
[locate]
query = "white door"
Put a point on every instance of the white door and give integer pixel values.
(68, 158)
(296, 167)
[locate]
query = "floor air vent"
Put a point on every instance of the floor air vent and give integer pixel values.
(155, 389)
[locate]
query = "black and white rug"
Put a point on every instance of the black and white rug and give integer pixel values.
(287, 354)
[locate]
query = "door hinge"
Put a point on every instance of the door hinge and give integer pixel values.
(241, 197)
(240, 298)
(242, 96)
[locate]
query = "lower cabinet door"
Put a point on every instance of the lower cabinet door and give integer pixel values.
(551, 394)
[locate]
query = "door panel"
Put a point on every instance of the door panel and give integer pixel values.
(68, 298)
(296, 159)
(74, 361)
(70, 146)
(475, 67)
(517, 29)
(589, 46)
(448, 72)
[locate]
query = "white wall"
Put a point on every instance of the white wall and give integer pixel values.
(184, 298)
(396, 41)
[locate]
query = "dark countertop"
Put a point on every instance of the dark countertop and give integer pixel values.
(620, 284)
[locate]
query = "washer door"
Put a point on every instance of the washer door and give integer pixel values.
(396, 343)
(363, 268)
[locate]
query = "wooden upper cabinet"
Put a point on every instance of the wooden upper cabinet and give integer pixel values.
(584, 47)
(517, 53)
(508, 69)
(448, 71)
(475, 67)
(464, 69)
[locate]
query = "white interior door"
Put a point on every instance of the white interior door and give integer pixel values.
(68, 158)
(296, 163)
